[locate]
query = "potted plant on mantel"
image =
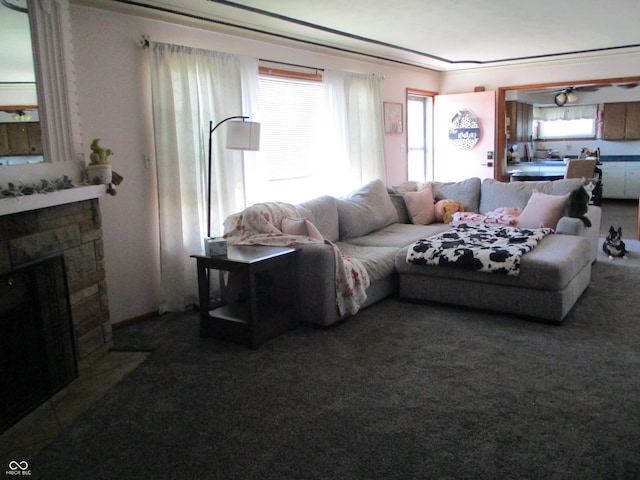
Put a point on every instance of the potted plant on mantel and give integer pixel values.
(99, 170)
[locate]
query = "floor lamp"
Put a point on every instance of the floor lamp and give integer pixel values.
(240, 136)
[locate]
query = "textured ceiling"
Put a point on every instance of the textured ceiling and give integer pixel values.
(441, 35)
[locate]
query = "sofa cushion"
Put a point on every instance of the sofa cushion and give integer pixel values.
(495, 194)
(467, 192)
(562, 186)
(542, 210)
(378, 261)
(323, 213)
(420, 206)
(367, 209)
(551, 265)
(398, 234)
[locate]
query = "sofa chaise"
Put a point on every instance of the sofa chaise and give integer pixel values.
(374, 227)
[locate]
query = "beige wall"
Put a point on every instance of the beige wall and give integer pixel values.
(115, 106)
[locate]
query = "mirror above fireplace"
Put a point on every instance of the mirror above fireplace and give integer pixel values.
(50, 24)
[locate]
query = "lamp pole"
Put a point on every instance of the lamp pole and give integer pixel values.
(211, 130)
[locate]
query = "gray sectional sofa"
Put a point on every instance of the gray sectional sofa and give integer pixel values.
(373, 226)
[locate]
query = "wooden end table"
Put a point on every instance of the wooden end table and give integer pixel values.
(259, 292)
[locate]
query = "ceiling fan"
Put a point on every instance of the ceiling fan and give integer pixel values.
(569, 95)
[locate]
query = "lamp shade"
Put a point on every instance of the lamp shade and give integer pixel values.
(243, 136)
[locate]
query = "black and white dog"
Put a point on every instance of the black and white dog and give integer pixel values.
(613, 245)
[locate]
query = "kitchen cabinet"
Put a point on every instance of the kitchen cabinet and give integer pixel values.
(620, 179)
(20, 138)
(621, 121)
(519, 124)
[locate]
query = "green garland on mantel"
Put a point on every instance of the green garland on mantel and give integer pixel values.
(43, 186)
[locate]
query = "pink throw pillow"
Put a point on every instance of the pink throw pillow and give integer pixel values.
(420, 206)
(300, 226)
(542, 210)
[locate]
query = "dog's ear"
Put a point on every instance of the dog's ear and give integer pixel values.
(612, 230)
(620, 232)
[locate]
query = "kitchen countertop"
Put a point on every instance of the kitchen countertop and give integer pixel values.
(536, 175)
(538, 163)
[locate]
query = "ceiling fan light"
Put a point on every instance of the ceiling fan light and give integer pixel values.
(572, 97)
(560, 99)
(21, 116)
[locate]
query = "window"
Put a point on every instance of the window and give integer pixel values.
(566, 122)
(290, 111)
(318, 137)
(419, 135)
(580, 128)
(289, 162)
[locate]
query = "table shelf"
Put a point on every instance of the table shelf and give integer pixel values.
(231, 313)
(258, 288)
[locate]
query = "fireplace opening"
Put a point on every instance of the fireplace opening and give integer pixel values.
(37, 348)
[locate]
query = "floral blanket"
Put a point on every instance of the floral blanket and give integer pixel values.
(261, 224)
(478, 247)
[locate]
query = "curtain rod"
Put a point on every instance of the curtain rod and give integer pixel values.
(145, 41)
(278, 62)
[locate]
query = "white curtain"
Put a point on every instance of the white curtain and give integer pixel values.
(191, 87)
(574, 112)
(357, 119)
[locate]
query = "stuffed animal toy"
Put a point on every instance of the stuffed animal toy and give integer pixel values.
(613, 245)
(446, 208)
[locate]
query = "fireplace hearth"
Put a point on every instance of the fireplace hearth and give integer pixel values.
(37, 348)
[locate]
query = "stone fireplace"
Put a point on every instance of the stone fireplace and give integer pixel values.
(72, 230)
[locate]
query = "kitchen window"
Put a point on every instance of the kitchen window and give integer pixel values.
(565, 122)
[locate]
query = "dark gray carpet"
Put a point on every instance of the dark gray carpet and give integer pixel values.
(400, 391)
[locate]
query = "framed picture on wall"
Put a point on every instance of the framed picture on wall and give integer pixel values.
(393, 119)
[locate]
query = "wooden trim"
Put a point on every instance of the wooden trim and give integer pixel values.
(421, 93)
(500, 159)
(134, 320)
(573, 83)
(18, 107)
(278, 72)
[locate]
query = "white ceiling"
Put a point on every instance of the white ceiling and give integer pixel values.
(441, 35)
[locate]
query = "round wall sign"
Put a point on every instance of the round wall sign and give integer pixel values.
(464, 131)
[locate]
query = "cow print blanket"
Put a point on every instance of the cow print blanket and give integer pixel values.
(477, 247)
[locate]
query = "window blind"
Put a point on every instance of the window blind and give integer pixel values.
(291, 110)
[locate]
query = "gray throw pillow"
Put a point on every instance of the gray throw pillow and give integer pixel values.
(365, 210)
(467, 192)
(401, 207)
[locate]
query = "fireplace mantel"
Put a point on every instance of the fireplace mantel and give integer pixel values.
(25, 203)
